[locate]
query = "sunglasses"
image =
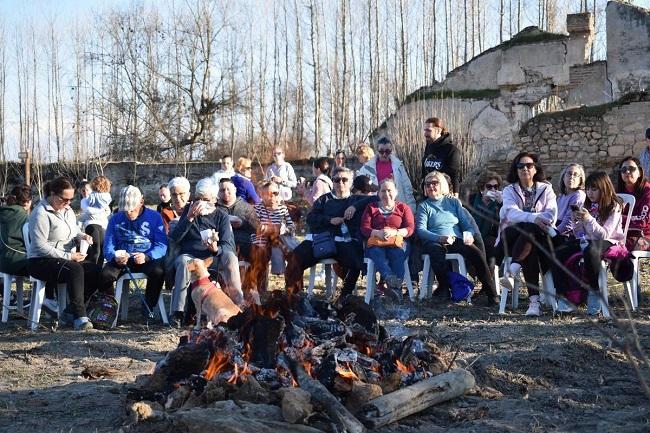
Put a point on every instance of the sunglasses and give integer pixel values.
(432, 183)
(340, 179)
(490, 186)
(528, 165)
(385, 151)
(65, 200)
(627, 169)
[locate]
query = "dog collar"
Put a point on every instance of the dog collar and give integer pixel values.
(201, 281)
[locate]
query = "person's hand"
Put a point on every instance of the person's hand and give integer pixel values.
(388, 232)
(84, 236)
(337, 221)
(236, 222)
(349, 213)
(277, 179)
(195, 209)
(213, 246)
(498, 195)
(468, 239)
(121, 260)
(139, 258)
(77, 257)
(542, 223)
(447, 240)
(581, 214)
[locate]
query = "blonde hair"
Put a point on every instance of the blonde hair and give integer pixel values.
(444, 185)
(101, 184)
(243, 162)
(364, 151)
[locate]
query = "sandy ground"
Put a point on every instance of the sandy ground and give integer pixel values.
(543, 374)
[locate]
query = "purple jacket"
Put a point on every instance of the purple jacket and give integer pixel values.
(564, 213)
(545, 206)
(611, 230)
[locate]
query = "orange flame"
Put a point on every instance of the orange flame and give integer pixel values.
(218, 362)
(308, 368)
(346, 372)
(235, 376)
(405, 369)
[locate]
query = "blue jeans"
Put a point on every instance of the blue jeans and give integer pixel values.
(388, 260)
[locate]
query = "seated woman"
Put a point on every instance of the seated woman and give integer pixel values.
(388, 220)
(274, 223)
(485, 204)
(202, 214)
(13, 216)
(527, 216)
(572, 186)
(339, 214)
(53, 257)
(440, 223)
(632, 180)
(600, 223)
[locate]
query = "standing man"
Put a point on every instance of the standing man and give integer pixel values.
(645, 155)
(440, 154)
(281, 172)
(388, 166)
(227, 170)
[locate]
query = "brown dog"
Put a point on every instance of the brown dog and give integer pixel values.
(208, 296)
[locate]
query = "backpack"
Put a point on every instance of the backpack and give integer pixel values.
(460, 287)
(102, 310)
(575, 293)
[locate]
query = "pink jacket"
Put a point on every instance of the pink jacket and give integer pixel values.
(611, 230)
(322, 185)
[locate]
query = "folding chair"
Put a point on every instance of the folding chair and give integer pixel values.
(330, 280)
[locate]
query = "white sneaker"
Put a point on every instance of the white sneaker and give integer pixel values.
(534, 307)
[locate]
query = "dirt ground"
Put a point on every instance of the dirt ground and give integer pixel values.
(547, 374)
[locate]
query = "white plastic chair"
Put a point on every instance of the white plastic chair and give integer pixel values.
(427, 275)
(372, 283)
(38, 292)
(122, 297)
(547, 293)
(7, 280)
(630, 286)
(330, 280)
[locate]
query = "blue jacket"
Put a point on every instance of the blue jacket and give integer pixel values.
(245, 189)
(144, 235)
(442, 217)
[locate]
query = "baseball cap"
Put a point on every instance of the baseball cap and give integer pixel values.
(363, 185)
(130, 198)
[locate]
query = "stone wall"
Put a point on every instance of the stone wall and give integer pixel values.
(628, 48)
(596, 137)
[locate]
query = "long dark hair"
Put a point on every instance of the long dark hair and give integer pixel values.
(323, 164)
(513, 177)
(640, 182)
(608, 198)
(19, 195)
(57, 186)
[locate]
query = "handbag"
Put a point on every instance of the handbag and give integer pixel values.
(102, 310)
(323, 245)
(460, 287)
(392, 241)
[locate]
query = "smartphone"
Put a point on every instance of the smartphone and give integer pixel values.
(575, 207)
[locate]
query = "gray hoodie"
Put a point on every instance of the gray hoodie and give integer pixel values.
(51, 233)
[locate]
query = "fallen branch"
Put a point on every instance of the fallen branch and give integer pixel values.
(412, 399)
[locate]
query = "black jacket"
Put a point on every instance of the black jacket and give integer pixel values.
(327, 207)
(442, 155)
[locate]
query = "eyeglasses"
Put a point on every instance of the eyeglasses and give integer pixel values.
(528, 165)
(65, 200)
(570, 174)
(385, 151)
(627, 169)
(340, 180)
(205, 199)
(432, 183)
(178, 194)
(490, 186)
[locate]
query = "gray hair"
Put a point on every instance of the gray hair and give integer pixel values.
(338, 170)
(444, 184)
(206, 187)
(179, 182)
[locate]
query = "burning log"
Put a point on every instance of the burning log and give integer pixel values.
(415, 398)
(345, 421)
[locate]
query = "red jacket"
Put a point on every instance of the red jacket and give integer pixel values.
(373, 219)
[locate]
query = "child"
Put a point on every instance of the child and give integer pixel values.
(95, 217)
(598, 227)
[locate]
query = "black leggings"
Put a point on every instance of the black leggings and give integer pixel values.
(521, 243)
(95, 251)
(81, 279)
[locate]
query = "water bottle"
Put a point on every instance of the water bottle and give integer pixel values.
(584, 243)
(345, 232)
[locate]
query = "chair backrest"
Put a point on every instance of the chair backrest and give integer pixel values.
(630, 201)
(26, 237)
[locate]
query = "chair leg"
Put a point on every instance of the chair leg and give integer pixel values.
(312, 280)
(19, 294)
(6, 297)
(495, 275)
(328, 281)
(409, 283)
(124, 303)
(604, 290)
(118, 298)
(38, 294)
(462, 268)
(370, 287)
(163, 312)
(426, 270)
(549, 290)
